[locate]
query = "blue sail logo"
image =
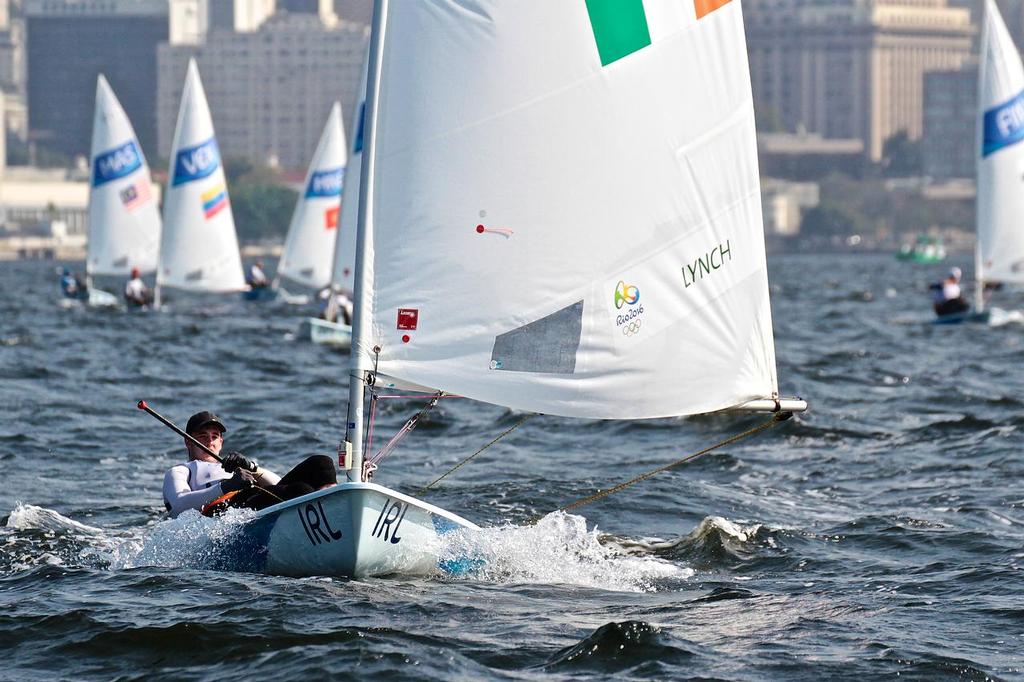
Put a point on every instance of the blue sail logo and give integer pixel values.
(116, 163)
(326, 183)
(196, 162)
(1003, 125)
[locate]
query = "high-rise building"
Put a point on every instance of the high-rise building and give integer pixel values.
(71, 42)
(12, 47)
(950, 116)
(269, 91)
(359, 11)
(851, 68)
(191, 20)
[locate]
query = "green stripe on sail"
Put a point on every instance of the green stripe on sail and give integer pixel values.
(620, 28)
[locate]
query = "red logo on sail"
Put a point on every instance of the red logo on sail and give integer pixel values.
(408, 318)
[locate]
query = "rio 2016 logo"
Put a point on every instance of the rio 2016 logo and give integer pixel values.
(627, 294)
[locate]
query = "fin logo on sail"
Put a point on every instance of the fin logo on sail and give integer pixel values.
(116, 163)
(326, 183)
(195, 163)
(214, 200)
(1003, 125)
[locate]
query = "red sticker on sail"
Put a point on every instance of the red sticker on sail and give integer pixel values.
(408, 318)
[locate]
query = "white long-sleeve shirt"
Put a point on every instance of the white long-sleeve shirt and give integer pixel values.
(192, 484)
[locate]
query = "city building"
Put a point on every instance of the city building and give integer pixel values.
(950, 118)
(71, 42)
(784, 204)
(191, 20)
(12, 47)
(851, 68)
(270, 90)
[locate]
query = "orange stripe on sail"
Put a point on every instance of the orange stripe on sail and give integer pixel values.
(705, 7)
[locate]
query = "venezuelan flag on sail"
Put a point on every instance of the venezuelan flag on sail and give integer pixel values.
(214, 200)
(621, 27)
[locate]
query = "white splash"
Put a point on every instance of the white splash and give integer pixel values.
(557, 550)
(191, 540)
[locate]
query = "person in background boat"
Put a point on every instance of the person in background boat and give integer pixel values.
(135, 290)
(196, 483)
(947, 299)
(257, 278)
(71, 285)
(340, 306)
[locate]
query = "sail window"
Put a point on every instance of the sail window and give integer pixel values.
(548, 345)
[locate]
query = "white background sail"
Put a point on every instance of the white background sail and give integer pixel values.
(124, 219)
(1000, 202)
(199, 248)
(566, 223)
(308, 254)
(343, 271)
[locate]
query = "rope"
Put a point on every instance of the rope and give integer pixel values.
(452, 470)
(409, 426)
(776, 418)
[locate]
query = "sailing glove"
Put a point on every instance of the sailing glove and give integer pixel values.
(240, 481)
(236, 460)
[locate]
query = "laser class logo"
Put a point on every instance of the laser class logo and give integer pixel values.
(628, 295)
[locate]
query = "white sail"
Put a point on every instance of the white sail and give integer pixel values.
(1000, 202)
(564, 208)
(309, 247)
(198, 248)
(124, 219)
(343, 271)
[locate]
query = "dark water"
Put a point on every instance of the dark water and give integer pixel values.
(879, 536)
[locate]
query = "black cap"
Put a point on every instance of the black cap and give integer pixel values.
(201, 419)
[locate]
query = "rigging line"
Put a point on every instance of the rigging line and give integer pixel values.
(500, 436)
(776, 419)
(409, 426)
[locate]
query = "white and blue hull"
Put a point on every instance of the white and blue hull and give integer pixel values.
(352, 530)
(324, 333)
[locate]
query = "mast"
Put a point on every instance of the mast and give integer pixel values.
(359, 364)
(979, 137)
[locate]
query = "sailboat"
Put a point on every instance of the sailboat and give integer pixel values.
(198, 247)
(999, 252)
(309, 246)
(574, 230)
(334, 331)
(124, 220)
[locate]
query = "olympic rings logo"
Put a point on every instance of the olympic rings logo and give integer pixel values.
(626, 293)
(632, 328)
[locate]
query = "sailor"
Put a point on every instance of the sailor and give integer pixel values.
(71, 284)
(135, 290)
(202, 479)
(947, 299)
(257, 278)
(335, 304)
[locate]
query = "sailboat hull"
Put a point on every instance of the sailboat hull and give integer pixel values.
(324, 333)
(352, 530)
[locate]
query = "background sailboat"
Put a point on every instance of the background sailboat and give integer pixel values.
(335, 331)
(124, 220)
(999, 253)
(574, 230)
(199, 247)
(309, 247)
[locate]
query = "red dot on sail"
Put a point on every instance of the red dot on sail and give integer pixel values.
(405, 338)
(480, 229)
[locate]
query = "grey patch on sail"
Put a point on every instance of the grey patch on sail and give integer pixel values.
(547, 345)
(194, 276)
(306, 272)
(121, 262)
